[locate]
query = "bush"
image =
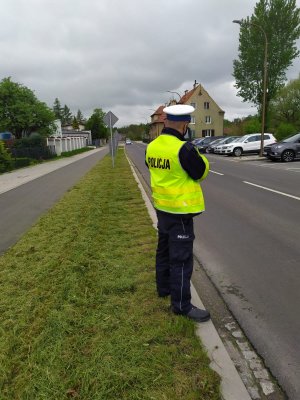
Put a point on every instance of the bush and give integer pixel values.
(34, 147)
(6, 163)
(284, 130)
(252, 126)
(36, 153)
(22, 162)
(73, 152)
(33, 141)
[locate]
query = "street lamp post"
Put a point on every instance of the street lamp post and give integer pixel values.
(170, 91)
(263, 111)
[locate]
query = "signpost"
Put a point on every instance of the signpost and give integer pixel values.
(110, 119)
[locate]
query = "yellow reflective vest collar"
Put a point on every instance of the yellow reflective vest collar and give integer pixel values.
(173, 190)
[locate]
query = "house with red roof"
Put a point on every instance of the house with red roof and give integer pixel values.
(207, 119)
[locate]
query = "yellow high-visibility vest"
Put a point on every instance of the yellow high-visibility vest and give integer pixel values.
(173, 190)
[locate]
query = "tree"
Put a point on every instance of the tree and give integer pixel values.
(96, 125)
(251, 125)
(285, 108)
(284, 129)
(75, 124)
(134, 131)
(79, 117)
(66, 116)
(280, 20)
(57, 109)
(21, 112)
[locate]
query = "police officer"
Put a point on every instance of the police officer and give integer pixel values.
(176, 168)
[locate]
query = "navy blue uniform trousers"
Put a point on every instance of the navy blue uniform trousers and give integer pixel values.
(174, 259)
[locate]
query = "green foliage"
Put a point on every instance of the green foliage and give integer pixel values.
(5, 159)
(75, 123)
(286, 105)
(62, 113)
(280, 19)
(79, 117)
(21, 112)
(22, 162)
(66, 116)
(32, 141)
(34, 147)
(96, 125)
(252, 125)
(73, 152)
(134, 131)
(243, 126)
(57, 109)
(284, 130)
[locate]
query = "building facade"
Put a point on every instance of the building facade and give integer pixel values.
(157, 123)
(207, 119)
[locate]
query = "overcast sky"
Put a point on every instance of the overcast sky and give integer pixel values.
(123, 55)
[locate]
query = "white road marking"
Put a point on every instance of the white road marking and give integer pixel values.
(272, 190)
(214, 172)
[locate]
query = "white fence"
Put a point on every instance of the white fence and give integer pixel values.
(58, 145)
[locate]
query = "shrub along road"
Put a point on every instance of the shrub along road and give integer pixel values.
(79, 316)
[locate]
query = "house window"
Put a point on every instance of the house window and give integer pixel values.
(193, 120)
(193, 105)
(208, 119)
(206, 105)
(208, 132)
(193, 133)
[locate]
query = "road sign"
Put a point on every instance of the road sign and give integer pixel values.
(110, 119)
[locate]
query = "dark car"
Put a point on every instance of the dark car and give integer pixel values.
(197, 141)
(286, 150)
(212, 145)
(203, 145)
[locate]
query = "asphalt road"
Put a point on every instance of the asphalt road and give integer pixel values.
(22, 206)
(248, 242)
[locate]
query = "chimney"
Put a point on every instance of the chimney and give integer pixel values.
(195, 84)
(185, 92)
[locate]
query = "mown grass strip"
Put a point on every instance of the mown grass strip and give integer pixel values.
(79, 316)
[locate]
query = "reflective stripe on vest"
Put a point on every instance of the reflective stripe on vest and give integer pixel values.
(173, 190)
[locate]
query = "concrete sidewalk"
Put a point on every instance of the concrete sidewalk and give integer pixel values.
(13, 179)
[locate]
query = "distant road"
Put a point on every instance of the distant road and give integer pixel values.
(22, 206)
(248, 243)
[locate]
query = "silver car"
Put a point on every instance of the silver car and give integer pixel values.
(224, 141)
(286, 150)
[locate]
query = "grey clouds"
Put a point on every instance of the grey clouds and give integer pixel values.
(124, 55)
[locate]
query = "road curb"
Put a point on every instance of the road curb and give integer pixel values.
(232, 386)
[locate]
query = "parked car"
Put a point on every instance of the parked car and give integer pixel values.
(203, 145)
(212, 145)
(128, 141)
(286, 150)
(227, 140)
(197, 141)
(248, 144)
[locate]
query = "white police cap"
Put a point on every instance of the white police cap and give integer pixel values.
(179, 112)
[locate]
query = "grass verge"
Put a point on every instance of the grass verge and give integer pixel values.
(79, 316)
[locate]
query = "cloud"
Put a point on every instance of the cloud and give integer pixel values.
(123, 55)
